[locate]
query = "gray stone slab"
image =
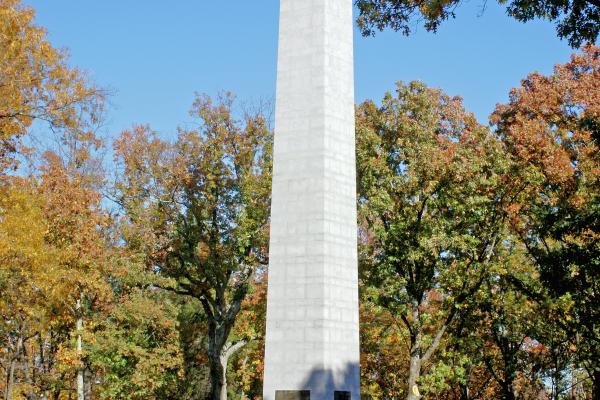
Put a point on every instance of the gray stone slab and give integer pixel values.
(292, 395)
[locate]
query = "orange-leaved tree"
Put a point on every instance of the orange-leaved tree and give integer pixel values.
(54, 273)
(36, 83)
(551, 129)
(199, 209)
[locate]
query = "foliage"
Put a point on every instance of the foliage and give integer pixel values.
(37, 84)
(578, 21)
(247, 365)
(204, 202)
(430, 199)
(550, 127)
(506, 327)
(478, 254)
(383, 351)
(135, 350)
(45, 270)
(30, 279)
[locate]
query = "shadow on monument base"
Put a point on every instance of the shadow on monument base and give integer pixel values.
(325, 384)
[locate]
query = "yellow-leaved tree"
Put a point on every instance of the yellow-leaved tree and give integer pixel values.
(53, 253)
(37, 84)
(54, 264)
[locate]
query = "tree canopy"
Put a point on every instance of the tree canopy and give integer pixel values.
(36, 83)
(577, 21)
(205, 200)
(478, 244)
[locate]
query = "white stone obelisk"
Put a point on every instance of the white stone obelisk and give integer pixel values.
(312, 340)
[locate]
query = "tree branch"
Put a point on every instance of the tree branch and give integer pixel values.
(594, 2)
(232, 347)
(438, 337)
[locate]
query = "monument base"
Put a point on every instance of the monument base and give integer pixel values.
(305, 395)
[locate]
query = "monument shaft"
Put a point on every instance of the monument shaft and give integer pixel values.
(312, 341)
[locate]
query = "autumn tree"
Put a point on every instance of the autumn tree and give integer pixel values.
(76, 313)
(505, 329)
(36, 83)
(205, 203)
(61, 262)
(134, 351)
(578, 21)
(29, 275)
(430, 201)
(551, 128)
(247, 374)
(383, 339)
(193, 332)
(58, 262)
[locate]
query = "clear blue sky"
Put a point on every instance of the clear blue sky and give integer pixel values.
(155, 54)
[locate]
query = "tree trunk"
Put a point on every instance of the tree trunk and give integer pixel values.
(80, 388)
(88, 384)
(508, 386)
(243, 366)
(596, 384)
(218, 381)
(511, 375)
(556, 378)
(418, 355)
(414, 372)
(218, 368)
(223, 393)
(11, 373)
(10, 380)
(509, 391)
(218, 333)
(464, 391)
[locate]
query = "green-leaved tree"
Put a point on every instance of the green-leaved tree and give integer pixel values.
(199, 209)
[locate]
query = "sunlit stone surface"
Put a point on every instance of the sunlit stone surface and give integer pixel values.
(312, 307)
